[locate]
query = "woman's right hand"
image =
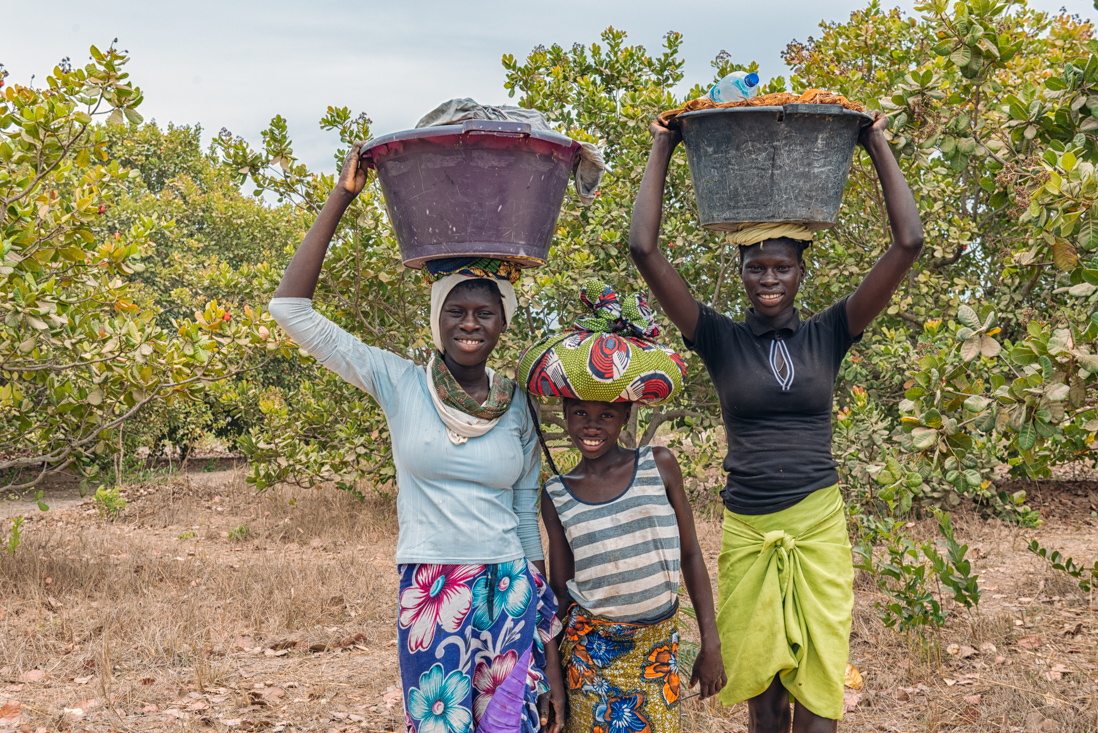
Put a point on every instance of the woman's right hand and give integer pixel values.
(352, 178)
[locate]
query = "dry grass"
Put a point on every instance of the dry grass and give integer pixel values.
(206, 607)
(169, 601)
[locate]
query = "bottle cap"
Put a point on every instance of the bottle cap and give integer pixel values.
(751, 79)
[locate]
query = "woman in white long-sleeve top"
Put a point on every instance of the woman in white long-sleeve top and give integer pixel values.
(475, 610)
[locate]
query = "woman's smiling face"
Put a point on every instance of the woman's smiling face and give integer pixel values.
(470, 322)
(772, 275)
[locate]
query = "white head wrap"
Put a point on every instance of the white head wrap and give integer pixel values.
(442, 287)
(459, 426)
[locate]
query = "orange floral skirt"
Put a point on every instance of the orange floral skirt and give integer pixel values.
(620, 678)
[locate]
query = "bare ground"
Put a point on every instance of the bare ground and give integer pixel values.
(204, 607)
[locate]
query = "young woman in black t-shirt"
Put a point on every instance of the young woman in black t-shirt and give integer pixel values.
(785, 575)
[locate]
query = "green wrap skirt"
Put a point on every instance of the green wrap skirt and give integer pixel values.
(785, 592)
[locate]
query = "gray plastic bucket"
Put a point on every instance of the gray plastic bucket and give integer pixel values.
(477, 189)
(753, 165)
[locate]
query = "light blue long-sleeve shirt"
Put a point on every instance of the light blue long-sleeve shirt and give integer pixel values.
(470, 503)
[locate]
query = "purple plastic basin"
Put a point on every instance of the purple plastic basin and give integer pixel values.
(481, 189)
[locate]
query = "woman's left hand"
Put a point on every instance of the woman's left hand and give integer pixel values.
(875, 129)
(709, 671)
(552, 701)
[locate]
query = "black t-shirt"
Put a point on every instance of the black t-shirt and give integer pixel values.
(776, 389)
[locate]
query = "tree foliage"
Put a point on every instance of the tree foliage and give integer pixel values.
(81, 349)
(982, 369)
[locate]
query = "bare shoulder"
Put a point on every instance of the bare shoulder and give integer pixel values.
(666, 462)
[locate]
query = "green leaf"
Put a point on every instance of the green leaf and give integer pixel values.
(977, 403)
(967, 316)
(986, 420)
(962, 56)
(1087, 238)
(923, 438)
(1027, 437)
(115, 117)
(1058, 392)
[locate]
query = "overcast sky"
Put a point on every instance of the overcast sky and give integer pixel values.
(237, 63)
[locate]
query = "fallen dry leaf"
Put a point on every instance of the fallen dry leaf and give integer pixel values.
(903, 695)
(1037, 723)
(391, 697)
(244, 642)
(33, 675)
(988, 648)
(966, 651)
(853, 677)
(352, 640)
(851, 700)
(1030, 642)
(11, 709)
(973, 699)
(1070, 630)
(266, 696)
(1056, 673)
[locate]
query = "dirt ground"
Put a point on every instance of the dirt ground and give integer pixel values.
(206, 607)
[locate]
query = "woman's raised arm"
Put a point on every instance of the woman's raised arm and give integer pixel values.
(644, 232)
(303, 272)
(880, 283)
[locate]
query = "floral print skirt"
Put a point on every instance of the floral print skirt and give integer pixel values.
(472, 646)
(620, 678)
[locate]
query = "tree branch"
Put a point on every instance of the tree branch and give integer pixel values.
(659, 418)
(940, 262)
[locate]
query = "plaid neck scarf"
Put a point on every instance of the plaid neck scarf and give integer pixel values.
(500, 391)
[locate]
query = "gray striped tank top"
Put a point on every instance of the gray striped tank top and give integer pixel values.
(626, 550)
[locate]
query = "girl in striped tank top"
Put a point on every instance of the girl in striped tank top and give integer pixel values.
(620, 528)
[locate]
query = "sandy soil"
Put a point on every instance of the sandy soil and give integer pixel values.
(205, 607)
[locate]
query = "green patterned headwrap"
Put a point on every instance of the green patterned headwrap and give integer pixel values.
(608, 356)
(434, 270)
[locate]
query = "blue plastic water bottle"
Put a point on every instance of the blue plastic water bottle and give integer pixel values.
(734, 87)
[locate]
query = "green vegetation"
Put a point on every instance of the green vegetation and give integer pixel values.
(109, 502)
(1087, 577)
(15, 535)
(240, 533)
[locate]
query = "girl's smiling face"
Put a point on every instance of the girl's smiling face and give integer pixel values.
(594, 427)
